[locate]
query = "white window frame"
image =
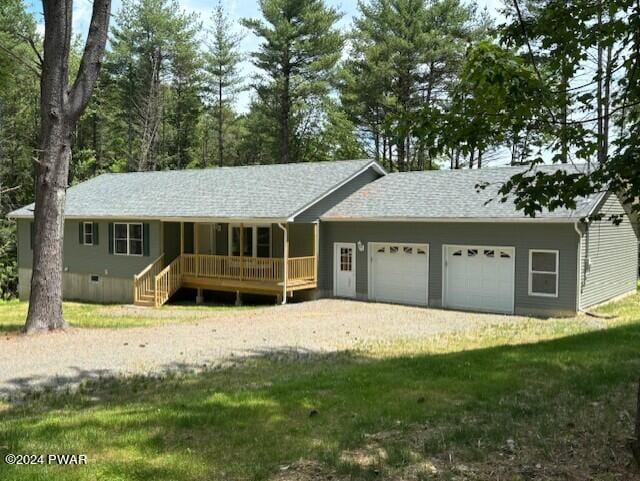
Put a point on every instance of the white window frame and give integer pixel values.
(254, 238)
(128, 239)
(84, 233)
(532, 272)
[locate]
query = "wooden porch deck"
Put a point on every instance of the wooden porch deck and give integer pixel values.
(252, 275)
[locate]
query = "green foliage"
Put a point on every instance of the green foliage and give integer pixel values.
(223, 82)
(151, 88)
(300, 47)
(19, 111)
(590, 111)
(8, 260)
(498, 99)
(404, 61)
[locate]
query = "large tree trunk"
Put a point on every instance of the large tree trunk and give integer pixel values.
(60, 109)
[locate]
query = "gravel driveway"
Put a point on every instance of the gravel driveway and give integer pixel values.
(319, 326)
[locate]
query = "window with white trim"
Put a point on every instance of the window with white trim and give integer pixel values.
(127, 239)
(87, 233)
(543, 272)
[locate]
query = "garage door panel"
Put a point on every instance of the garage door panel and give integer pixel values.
(479, 278)
(399, 273)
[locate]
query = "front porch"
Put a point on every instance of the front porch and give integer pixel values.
(231, 258)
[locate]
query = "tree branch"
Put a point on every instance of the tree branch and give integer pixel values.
(91, 59)
(525, 34)
(17, 57)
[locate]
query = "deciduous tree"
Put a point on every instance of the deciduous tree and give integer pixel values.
(61, 105)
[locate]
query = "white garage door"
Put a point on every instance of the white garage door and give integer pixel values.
(479, 278)
(399, 273)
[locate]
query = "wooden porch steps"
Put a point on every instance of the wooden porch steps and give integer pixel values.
(146, 300)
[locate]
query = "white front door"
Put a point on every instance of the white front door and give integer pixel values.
(479, 278)
(344, 279)
(399, 273)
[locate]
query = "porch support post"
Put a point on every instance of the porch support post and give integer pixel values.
(316, 248)
(285, 266)
(196, 246)
(181, 238)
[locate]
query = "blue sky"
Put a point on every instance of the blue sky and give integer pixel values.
(236, 10)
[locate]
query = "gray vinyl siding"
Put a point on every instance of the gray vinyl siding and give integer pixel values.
(277, 241)
(300, 240)
(85, 260)
(609, 257)
(314, 212)
(522, 236)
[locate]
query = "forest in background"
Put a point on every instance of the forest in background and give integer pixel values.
(415, 84)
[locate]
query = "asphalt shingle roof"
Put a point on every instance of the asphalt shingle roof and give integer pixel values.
(250, 192)
(443, 194)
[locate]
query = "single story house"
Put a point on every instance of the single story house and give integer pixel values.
(344, 229)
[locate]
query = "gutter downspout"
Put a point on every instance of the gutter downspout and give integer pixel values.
(579, 263)
(285, 267)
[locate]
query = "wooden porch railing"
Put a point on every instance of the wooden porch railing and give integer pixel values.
(238, 268)
(248, 268)
(167, 282)
(302, 268)
(144, 282)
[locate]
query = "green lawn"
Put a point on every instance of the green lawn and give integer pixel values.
(13, 314)
(543, 399)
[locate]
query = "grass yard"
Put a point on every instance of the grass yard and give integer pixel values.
(539, 400)
(13, 314)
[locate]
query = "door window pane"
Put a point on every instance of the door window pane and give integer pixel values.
(345, 259)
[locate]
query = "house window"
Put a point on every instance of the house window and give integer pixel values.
(87, 233)
(257, 241)
(543, 273)
(127, 239)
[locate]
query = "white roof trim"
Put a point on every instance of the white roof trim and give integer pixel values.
(377, 167)
(550, 220)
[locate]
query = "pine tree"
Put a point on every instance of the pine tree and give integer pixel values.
(405, 59)
(298, 55)
(224, 81)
